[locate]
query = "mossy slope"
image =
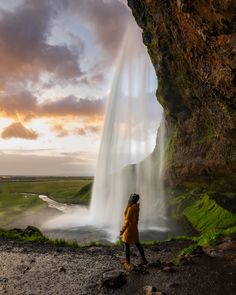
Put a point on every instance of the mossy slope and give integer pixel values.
(210, 219)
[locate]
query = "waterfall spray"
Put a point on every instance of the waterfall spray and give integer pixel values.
(131, 114)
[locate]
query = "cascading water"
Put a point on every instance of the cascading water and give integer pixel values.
(132, 114)
(126, 163)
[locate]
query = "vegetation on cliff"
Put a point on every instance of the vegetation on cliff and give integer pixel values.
(210, 219)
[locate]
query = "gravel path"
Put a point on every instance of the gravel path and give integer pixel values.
(41, 269)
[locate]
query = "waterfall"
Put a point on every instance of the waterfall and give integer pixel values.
(126, 162)
(131, 156)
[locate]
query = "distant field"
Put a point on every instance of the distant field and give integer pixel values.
(72, 191)
(13, 204)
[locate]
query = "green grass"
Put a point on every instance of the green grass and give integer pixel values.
(32, 234)
(14, 205)
(72, 191)
(207, 217)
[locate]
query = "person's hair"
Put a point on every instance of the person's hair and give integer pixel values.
(133, 199)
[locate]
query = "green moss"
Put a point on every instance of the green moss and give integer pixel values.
(205, 215)
(206, 138)
(149, 242)
(170, 150)
(160, 98)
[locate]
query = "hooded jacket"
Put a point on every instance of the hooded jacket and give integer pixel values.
(130, 227)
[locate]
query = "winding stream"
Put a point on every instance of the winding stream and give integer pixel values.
(59, 206)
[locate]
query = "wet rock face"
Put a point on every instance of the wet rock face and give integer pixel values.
(192, 47)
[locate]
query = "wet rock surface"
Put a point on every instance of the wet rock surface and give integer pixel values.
(42, 269)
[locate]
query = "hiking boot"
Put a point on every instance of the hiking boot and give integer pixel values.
(143, 262)
(128, 267)
(124, 261)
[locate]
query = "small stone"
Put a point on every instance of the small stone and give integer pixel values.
(148, 290)
(187, 259)
(113, 279)
(25, 269)
(156, 264)
(151, 290)
(174, 285)
(3, 280)
(141, 269)
(210, 252)
(62, 269)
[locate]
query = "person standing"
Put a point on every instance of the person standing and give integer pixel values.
(129, 232)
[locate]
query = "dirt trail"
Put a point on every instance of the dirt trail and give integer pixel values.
(41, 269)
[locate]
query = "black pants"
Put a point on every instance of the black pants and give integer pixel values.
(127, 251)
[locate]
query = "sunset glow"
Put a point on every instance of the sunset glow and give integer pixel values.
(57, 61)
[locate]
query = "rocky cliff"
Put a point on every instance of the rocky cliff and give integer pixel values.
(192, 45)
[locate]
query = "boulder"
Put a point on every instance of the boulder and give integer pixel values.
(113, 279)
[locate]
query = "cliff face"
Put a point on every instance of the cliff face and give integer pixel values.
(192, 45)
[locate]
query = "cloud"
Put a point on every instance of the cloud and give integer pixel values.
(72, 106)
(18, 130)
(26, 106)
(22, 104)
(107, 19)
(80, 131)
(59, 130)
(88, 130)
(92, 80)
(24, 50)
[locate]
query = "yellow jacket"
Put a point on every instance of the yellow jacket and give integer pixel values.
(130, 228)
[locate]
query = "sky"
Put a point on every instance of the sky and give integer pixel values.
(57, 62)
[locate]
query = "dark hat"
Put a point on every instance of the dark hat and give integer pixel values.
(134, 198)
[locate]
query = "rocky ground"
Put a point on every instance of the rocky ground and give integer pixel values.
(45, 269)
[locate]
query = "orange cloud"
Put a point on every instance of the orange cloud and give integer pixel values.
(72, 106)
(80, 131)
(18, 130)
(26, 106)
(59, 130)
(86, 130)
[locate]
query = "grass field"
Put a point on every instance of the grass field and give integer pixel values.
(72, 191)
(14, 203)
